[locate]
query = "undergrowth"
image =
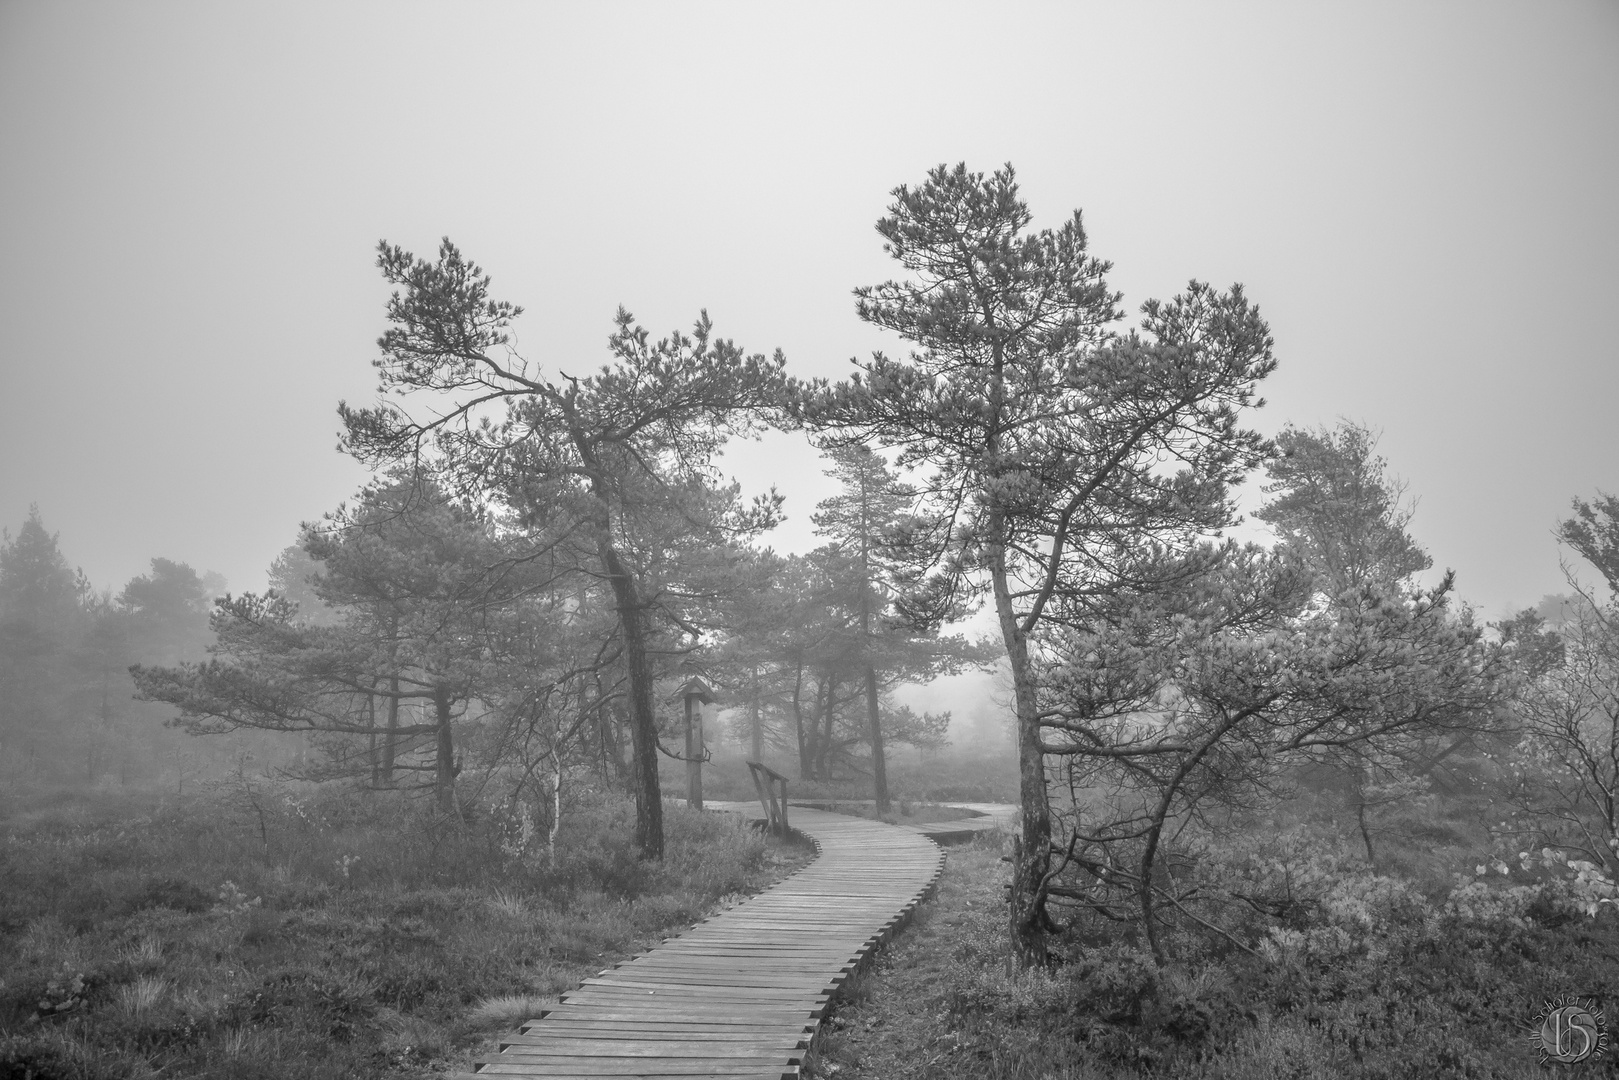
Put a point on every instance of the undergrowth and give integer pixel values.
(323, 934)
(1383, 981)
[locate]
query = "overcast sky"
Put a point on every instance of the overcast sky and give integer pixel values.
(1423, 199)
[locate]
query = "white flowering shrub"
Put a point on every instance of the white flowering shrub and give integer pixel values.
(233, 901)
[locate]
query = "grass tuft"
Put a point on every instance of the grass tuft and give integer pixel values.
(509, 1010)
(143, 995)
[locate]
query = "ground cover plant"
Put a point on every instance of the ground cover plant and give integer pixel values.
(285, 930)
(1385, 977)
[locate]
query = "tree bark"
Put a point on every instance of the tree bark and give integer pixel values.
(823, 728)
(1032, 860)
(874, 718)
(804, 767)
(879, 770)
(643, 720)
(1149, 912)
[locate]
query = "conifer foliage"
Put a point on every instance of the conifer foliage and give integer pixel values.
(1057, 450)
(609, 476)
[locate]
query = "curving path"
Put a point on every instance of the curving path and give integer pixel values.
(741, 993)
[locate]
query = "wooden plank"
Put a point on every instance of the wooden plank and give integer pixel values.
(657, 1070)
(740, 992)
(593, 1027)
(665, 1059)
(639, 1045)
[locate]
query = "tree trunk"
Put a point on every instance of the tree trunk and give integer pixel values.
(580, 725)
(1360, 818)
(556, 812)
(1032, 860)
(609, 725)
(643, 720)
(804, 768)
(879, 770)
(372, 753)
(444, 757)
(390, 741)
(1144, 896)
(694, 754)
(821, 749)
(1155, 832)
(756, 720)
(874, 719)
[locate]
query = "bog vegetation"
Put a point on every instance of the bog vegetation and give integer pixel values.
(1256, 765)
(274, 928)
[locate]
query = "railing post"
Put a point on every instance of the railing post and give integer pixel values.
(759, 786)
(764, 782)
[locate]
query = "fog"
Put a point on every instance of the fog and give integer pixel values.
(341, 737)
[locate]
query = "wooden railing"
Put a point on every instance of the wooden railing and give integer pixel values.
(764, 782)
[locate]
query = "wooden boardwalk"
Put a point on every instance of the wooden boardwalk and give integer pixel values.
(993, 816)
(990, 817)
(741, 993)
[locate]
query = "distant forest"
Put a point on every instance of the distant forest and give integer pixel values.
(68, 711)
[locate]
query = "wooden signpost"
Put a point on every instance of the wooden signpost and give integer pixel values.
(696, 693)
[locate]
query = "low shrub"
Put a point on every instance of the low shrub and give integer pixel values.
(358, 939)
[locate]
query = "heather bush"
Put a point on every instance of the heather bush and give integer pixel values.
(1347, 972)
(326, 933)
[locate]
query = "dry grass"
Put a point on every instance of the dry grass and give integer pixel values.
(143, 995)
(398, 964)
(511, 905)
(509, 1010)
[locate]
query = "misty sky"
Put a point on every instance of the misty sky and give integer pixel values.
(1421, 197)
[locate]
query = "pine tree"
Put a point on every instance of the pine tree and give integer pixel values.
(1057, 450)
